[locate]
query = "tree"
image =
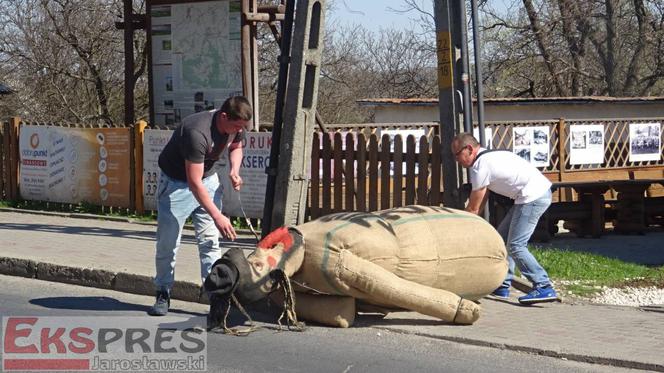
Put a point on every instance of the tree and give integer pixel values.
(357, 64)
(569, 48)
(64, 59)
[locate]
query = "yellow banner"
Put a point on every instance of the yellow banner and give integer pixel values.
(444, 53)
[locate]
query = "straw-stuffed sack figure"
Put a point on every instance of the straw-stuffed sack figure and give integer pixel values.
(431, 260)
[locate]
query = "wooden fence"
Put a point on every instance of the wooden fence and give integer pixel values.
(359, 174)
(356, 169)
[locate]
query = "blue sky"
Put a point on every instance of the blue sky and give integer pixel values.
(374, 14)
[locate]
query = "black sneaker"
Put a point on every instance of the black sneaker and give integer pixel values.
(161, 305)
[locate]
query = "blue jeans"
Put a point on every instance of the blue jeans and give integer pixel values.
(175, 204)
(516, 229)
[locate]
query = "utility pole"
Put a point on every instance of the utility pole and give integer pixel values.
(450, 94)
(286, 197)
(131, 22)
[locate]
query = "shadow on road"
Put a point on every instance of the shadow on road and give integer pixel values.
(96, 304)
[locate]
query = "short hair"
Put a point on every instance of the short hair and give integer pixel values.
(237, 108)
(464, 139)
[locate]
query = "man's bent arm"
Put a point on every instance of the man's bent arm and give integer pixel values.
(477, 200)
(235, 157)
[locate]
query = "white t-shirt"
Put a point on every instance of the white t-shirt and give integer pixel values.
(506, 173)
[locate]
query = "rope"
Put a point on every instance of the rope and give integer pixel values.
(246, 219)
(457, 310)
(289, 306)
(316, 291)
(238, 331)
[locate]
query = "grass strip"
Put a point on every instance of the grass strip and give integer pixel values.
(586, 273)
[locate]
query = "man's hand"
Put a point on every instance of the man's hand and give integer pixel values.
(236, 181)
(477, 200)
(225, 227)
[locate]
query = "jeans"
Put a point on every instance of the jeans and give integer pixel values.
(516, 229)
(175, 204)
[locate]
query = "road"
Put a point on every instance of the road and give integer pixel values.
(317, 349)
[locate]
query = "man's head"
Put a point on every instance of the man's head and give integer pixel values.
(465, 148)
(235, 115)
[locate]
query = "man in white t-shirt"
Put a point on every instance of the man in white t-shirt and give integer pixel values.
(509, 175)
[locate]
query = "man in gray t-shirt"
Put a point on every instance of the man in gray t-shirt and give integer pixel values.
(507, 174)
(189, 186)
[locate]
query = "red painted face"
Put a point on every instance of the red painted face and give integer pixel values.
(278, 236)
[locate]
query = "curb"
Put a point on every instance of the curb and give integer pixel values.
(97, 278)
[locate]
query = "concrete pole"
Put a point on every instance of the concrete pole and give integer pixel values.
(292, 181)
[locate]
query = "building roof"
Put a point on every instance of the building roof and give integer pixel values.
(514, 100)
(5, 90)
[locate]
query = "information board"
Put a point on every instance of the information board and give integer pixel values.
(195, 57)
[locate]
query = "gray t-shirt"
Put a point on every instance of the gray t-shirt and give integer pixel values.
(197, 140)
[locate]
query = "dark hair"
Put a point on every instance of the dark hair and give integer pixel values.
(237, 108)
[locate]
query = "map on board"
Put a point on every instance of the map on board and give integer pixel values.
(201, 37)
(195, 57)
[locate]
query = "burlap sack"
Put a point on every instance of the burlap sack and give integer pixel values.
(437, 247)
(426, 259)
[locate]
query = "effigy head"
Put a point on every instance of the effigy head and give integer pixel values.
(254, 277)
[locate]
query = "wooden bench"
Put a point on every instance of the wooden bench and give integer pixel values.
(654, 198)
(585, 217)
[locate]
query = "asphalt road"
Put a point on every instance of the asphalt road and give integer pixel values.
(317, 349)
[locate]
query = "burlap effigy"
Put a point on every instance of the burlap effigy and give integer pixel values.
(427, 259)
(431, 260)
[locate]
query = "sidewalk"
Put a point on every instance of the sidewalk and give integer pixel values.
(120, 256)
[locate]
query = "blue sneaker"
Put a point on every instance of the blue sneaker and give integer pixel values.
(539, 295)
(502, 293)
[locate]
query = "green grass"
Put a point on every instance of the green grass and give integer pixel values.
(79, 208)
(585, 273)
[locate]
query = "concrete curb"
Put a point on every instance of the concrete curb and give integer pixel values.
(96, 278)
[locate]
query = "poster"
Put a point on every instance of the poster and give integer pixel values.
(256, 158)
(645, 142)
(532, 144)
(72, 165)
(153, 142)
(417, 134)
(586, 144)
(195, 57)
